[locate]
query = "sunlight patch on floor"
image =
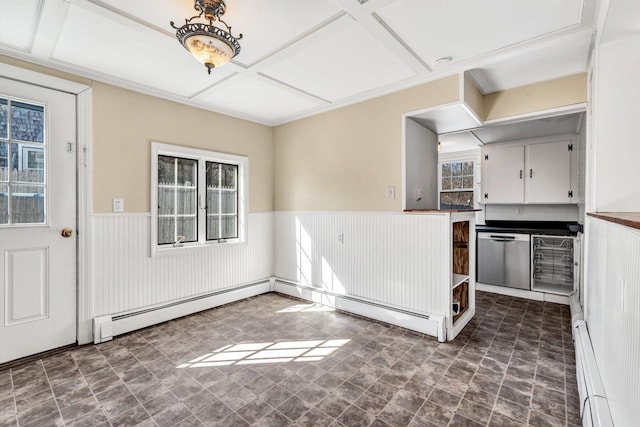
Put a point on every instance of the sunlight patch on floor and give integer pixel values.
(267, 352)
(300, 308)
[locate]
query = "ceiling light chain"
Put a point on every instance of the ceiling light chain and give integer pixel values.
(211, 45)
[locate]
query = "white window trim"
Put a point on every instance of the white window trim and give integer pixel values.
(159, 149)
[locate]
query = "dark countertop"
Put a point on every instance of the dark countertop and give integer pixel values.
(440, 210)
(549, 228)
(630, 219)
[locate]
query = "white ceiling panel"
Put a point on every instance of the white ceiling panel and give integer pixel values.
(465, 29)
(338, 61)
(552, 61)
(133, 53)
(265, 25)
(18, 22)
(302, 57)
(256, 97)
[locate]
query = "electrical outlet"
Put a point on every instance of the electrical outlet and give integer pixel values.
(340, 237)
(621, 293)
(391, 192)
(118, 205)
(419, 194)
(520, 211)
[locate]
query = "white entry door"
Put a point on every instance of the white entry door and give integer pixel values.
(37, 202)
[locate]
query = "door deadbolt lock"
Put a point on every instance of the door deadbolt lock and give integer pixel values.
(66, 232)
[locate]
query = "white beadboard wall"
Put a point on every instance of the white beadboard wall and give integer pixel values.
(613, 314)
(126, 278)
(397, 259)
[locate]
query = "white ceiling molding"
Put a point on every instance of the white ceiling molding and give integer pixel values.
(308, 57)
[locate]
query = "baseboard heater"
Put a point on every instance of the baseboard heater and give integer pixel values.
(424, 323)
(107, 327)
(594, 406)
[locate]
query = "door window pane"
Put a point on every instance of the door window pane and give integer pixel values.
(27, 122)
(4, 203)
(27, 204)
(4, 161)
(22, 163)
(4, 113)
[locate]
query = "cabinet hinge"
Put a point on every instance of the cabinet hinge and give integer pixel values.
(486, 157)
(570, 193)
(486, 195)
(570, 147)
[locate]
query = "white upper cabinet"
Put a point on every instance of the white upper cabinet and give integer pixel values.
(503, 169)
(542, 172)
(548, 173)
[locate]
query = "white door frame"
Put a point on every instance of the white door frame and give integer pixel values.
(84, 309)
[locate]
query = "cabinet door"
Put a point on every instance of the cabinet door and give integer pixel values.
(548, 172)
(503, 174)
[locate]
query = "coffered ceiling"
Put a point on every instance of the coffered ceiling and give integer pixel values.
(302, 57)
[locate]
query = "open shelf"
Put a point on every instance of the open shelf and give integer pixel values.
(458, 279)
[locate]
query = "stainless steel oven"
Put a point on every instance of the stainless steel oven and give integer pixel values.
(504, 259)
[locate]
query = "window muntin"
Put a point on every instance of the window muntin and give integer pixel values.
(203, 189)
(177, 200)
(456, 185)
(22, 163)
(222, 201)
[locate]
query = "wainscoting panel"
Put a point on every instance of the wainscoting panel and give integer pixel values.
(394, 259)
(126, 278)
(613, 314)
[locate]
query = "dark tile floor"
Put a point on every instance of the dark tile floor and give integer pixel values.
(275, 361)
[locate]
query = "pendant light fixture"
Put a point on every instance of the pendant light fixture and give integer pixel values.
(212, 45)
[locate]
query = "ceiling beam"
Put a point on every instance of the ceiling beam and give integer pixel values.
(52, 18)
(362, 14)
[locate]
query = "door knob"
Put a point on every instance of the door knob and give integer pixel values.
(66, 232)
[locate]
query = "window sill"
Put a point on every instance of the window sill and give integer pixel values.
(195, 248)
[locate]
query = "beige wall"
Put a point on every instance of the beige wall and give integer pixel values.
(473, 97)
(125, 123)
(345, 159)
(536, 97)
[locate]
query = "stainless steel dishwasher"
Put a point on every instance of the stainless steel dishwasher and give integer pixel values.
(504, 259)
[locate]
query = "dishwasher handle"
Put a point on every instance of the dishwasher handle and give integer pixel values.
(500, 237)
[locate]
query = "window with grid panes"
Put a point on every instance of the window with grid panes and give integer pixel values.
(456, 185)
(198, 197)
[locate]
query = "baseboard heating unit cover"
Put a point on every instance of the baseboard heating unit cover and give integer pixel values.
(424, 323)
(106, 327)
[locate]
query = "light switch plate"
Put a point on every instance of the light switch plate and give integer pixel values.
(118, 205)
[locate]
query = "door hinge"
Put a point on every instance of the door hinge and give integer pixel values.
(570, 147)
(69, 147)
(486, 195)
(570, 194)
(486, 157)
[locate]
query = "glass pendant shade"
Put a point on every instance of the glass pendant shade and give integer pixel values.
(210, 51)
(211, 44)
